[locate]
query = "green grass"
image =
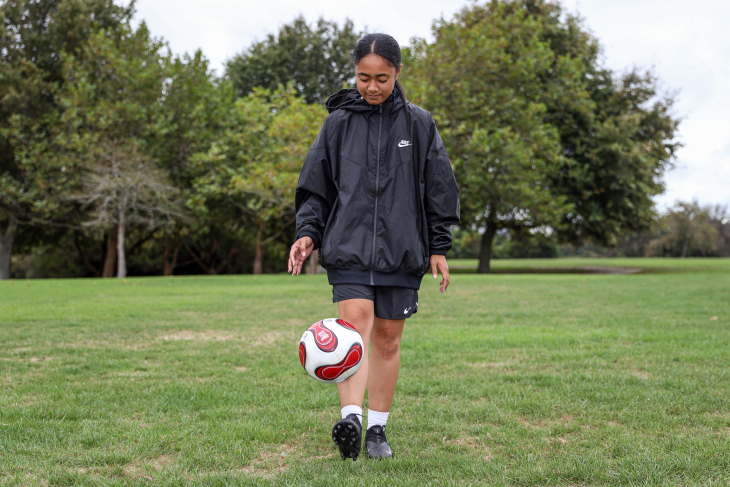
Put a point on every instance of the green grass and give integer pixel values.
(506, 380)
(647, 265)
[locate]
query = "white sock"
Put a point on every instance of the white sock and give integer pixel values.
(350, 410)
(376, 418)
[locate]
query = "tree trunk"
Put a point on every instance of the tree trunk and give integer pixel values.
(208, 269)
(83, 257)
(258, 263)
(686, 244)
(111, 254)
(485, 251)
(169, 265)
(6, 247)
(121, 258)
(313, 261)
(223, 263)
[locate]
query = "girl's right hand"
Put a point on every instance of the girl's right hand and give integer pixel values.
(299, 252)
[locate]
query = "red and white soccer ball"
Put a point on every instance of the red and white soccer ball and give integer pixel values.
(331, 350)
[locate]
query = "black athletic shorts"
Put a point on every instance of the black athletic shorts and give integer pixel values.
(391, 302)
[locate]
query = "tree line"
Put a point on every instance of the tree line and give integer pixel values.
(118, 156)
(686, 229)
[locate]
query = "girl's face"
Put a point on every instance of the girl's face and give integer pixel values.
(375, 78)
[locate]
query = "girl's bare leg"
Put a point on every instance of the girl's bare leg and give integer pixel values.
(360, 314)
(384, 363)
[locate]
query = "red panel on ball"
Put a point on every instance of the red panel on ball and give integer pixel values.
(302, 353)
(323, 337)
(346, 324)
(331, 372)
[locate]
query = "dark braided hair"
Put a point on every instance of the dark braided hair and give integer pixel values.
(387, 47)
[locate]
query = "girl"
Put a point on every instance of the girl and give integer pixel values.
(377, 196)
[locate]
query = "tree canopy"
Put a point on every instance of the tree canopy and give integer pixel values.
(35, 35)
(317, 59)
(116, 153)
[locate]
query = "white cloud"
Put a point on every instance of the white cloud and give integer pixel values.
(687, 43)
(225, 27)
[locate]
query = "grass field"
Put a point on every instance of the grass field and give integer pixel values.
(548, 379)
(645, 265)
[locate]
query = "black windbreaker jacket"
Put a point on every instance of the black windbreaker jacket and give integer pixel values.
(377, 198)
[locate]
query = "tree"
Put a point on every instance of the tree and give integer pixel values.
(483, 81)
(195, 111)
(113, 95)
(113, 111)
(123, 188)
(255, 164)
(34, 34)
(720, 219)
(686, 230)
(316, 58)
(617, 141)
(614, 134)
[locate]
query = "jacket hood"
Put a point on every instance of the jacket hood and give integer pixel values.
(350, 99)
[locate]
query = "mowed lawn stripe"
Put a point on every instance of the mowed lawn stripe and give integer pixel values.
(551, 379)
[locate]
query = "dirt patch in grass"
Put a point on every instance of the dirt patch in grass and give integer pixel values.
(293, 323)
(493, 365)
(723, 432)
(249, 338)
(518, 362)
(472, 445)
(718, 414)
(139, 468)
(130, 373)
(465, 441)
(270, 338)
(17, 360)
(207, 316)
(202, 336)
(640, 374)
(35, 360)
(269, 464)
(556, 440)
(546, 422)
(134, 344)
(18, 350)
(26, 480)
(134, 422)
(140, 342)
(324, 457)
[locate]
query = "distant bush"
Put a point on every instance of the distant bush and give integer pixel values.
(527, 245)
(506, 245)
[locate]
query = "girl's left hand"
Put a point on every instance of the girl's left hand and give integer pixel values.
(438, 263)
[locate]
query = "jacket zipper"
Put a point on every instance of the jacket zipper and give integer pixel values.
(377, 182)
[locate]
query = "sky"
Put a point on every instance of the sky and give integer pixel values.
(686, 43)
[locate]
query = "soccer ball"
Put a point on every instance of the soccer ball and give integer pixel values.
(331, 350)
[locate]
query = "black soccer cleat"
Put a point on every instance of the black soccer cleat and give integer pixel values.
(376, 443)
(347, 435)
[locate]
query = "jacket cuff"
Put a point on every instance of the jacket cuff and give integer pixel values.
(315, 238)
(438, 251)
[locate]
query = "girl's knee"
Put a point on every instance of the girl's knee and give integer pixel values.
(386, 341)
